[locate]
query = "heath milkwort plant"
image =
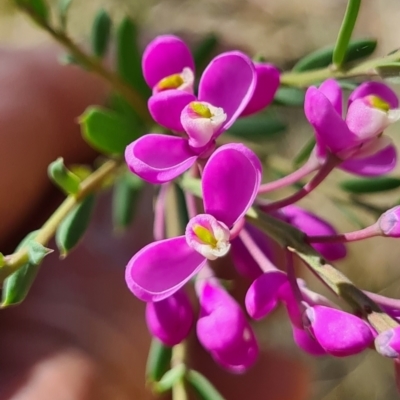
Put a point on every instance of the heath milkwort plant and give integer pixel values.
(214, 185)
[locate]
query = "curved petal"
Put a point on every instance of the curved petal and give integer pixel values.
(306, 342)
(161, 268)
(231, 179)
(268, 79)
(228, 82)
(378, 89)
(166, 108)
(333, 92)
(313, 225)
(159, 158)
(378, 164)
(165, 55)
(331, 130)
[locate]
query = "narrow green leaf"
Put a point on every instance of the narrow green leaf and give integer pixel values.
(321, 58)
(106, 131)
(101, 29)
(74, 226)
(126, 193)
(258, 127)
(17, 285)
(390, 72)
(36, 252)
(289, 96)
(129, 57)
(158, 361)
(304, 152)
(170, 378)
(63, 8)
(38, 8)
(202, 54)
(62, 177)
(202, 386)
(370, 185)
(346, 30)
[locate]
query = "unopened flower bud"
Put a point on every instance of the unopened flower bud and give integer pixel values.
(389, 222)
(339, 333)
(387, 343)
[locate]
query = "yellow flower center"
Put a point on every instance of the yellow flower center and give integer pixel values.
(205, 235)
(378, 103)
(201, 109)
(170, 82)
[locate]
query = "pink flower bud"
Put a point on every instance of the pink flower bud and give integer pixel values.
(339, 333)
(170, 320)
(388, 343)
(306, 342)
(389, 222)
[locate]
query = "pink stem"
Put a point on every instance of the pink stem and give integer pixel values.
(261, 259)
(325, 170)
(159, 213)
(368, 232)
(236, 229)
(310, 166)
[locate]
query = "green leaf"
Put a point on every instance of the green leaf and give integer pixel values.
(74, 226)
(170, 378)
(289, 96)
(304, 152)
(62, 177)
(119, 104)
(38, 8)
(36, 252)
(390, 72)
(158, 361)
(106, 131)
(258, 127)
(370, 185)
(126, 193)
(101, 29)
(202, 54)
(342, 42)
(321, 58)
(202, 386)
(63, 8)
(129, 57)
(17, 285)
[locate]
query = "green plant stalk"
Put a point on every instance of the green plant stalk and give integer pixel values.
(89, 185)
(178, 357)
(342, 42)
(367, 68)
(96, 66)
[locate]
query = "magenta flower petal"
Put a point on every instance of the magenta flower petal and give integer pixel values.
(339, 333)
(228, 82)
(262, 296)
(307, 343)
(231, 179)
(331, 130)
(377, 89)
(268, 79)
(159, 158)
(223, 330)
(378, 164)
(333, 92)
(161, 268)
(166, 108)
(312, 225)
(170, 319)
(165, 55)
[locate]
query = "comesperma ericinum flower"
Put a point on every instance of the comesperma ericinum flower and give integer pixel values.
(223, 330)
(230, 182)
(356, 139)
(171, 319)
(389, 222)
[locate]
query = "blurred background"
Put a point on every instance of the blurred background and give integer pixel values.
(282, 31)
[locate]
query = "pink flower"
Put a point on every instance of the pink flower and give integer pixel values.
(357, 139)
(223, 330)
(230, 182)
(389, 222)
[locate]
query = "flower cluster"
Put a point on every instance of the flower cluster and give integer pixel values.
(232, 86)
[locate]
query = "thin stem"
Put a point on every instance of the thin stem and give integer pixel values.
(178, 357)
(48, 230)
(385, 302)
(310, 166)
(368, 232)
(325, 170)
(159, 213)
(342, 42)
(260, 258)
